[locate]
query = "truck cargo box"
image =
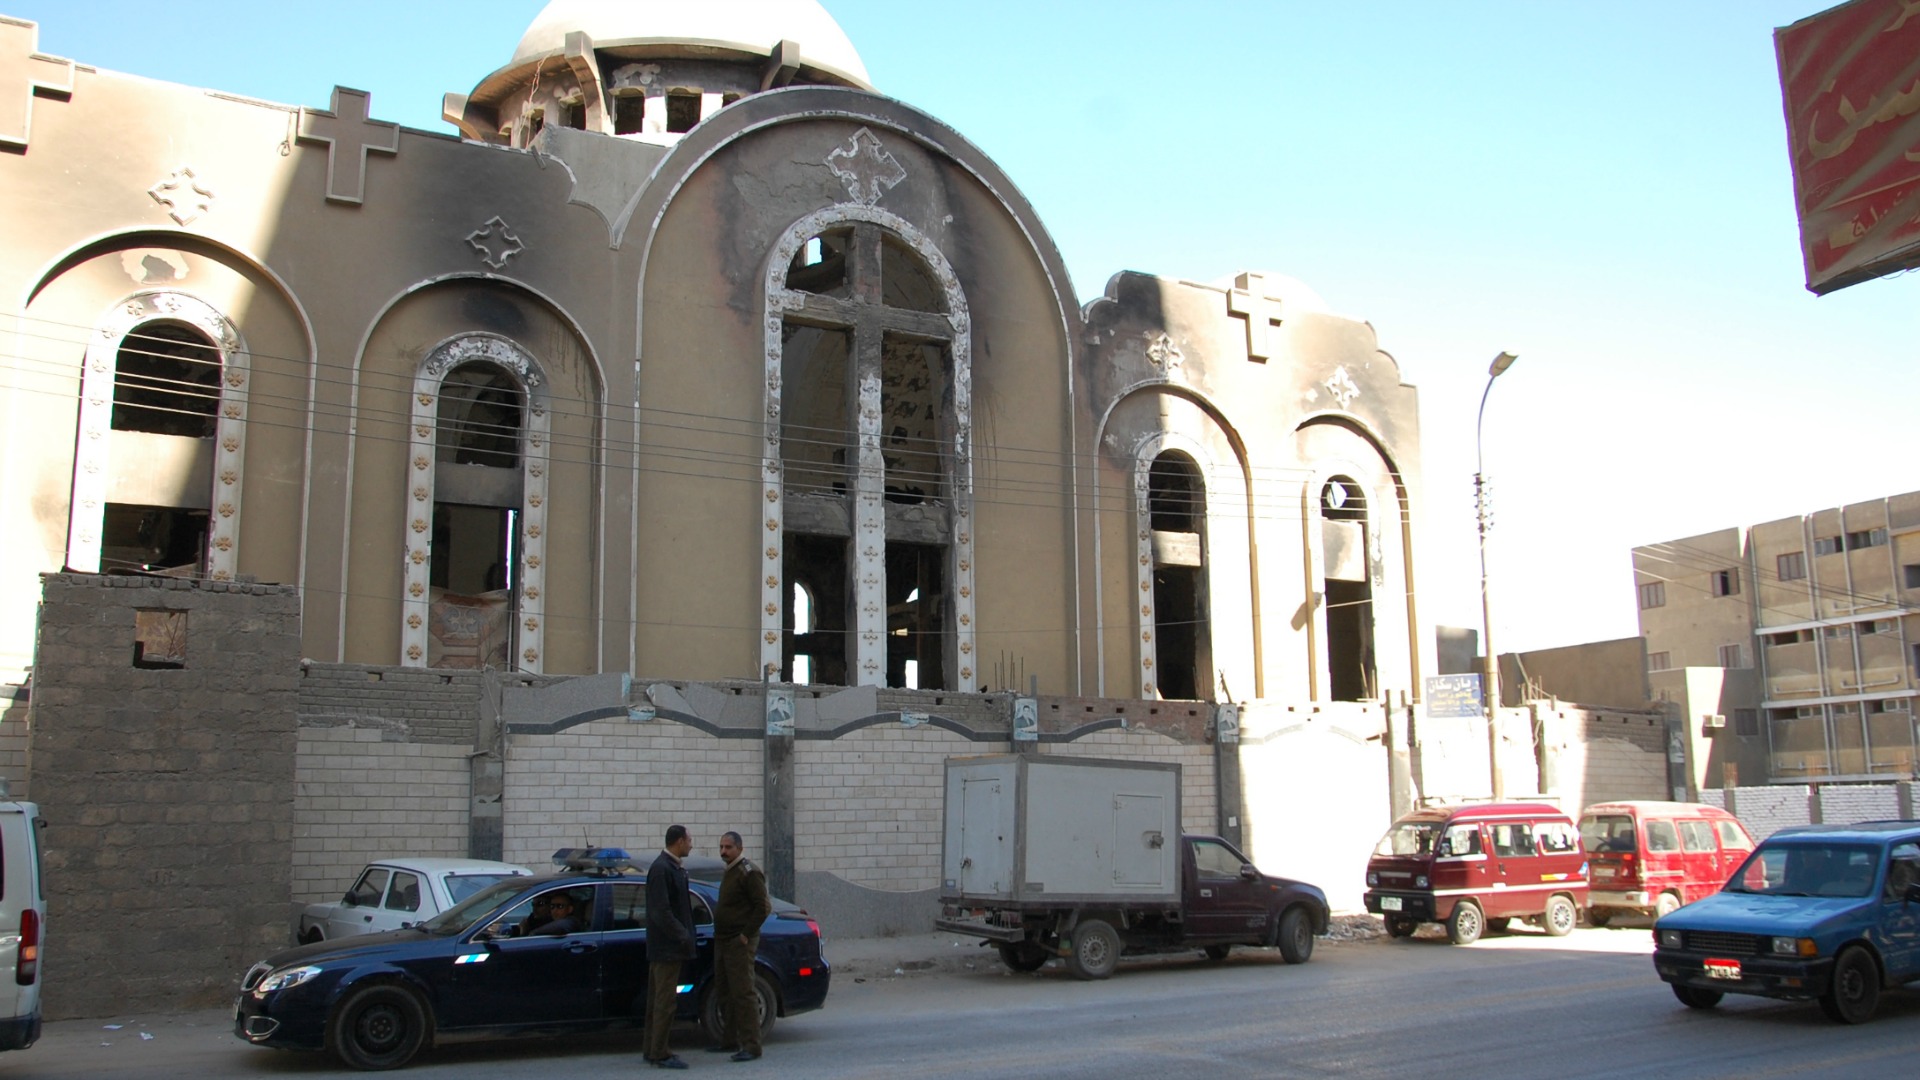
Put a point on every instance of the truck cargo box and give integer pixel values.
(1028, 830)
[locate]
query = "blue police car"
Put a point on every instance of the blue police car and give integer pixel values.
(529, 956)
(1821, 913)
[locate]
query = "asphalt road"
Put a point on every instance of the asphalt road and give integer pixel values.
(1518, 1006)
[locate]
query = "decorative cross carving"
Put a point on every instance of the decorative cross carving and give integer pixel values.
(496, 242)
(1248, 300)
(866, 167)
(348, 131)
(1342, 387)
(24, 68)
(183, 194)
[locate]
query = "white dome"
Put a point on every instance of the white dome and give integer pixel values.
(752, 27)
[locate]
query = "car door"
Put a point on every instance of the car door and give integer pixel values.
(623, 952)
(1899, 917)
(1700, 857)
(1221, 903)
(355, 912)
(533, 981)
(1735, 846)
(401, 907)
(1516, 872)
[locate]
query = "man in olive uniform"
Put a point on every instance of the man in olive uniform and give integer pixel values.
(743, 906)
(669, 944)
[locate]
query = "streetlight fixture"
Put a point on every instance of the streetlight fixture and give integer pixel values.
(1489, 667)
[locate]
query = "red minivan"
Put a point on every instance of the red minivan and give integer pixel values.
(1478, 866)
(1651, 857)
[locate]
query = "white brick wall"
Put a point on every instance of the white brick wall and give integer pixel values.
(358, 799)
(867, 807)
(620, 783)
(1847, 803)
(1765, 810)
(1608, 770)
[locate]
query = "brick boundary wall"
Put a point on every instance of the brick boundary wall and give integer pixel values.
(167, 791)
(14, 706)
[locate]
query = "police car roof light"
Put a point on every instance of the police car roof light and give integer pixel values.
(610, 860)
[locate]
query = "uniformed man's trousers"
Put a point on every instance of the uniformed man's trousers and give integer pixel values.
(733, 981)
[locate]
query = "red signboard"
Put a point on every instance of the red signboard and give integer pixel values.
(1850, 77)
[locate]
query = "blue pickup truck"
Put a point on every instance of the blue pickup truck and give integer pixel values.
(1827, 913)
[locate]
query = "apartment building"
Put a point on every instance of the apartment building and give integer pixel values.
(1793, 644)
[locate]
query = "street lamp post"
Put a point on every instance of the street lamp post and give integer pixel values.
(1490, 673)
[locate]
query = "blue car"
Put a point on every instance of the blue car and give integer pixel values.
(1820, 913)
(500, 963)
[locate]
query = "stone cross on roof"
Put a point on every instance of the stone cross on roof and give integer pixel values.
(25, 72)
(1248, 300)
(348, 131)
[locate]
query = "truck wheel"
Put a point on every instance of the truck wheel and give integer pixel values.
(1296, 937)
(1401, 926)
(1022, 956)
(1499, 924)
(1560, 916)
(1697, 999)
(1095, 950)
(311, 935)
(1855, 992)
(1464, 926)
(1599, 916)
(1666, 905)
(377, 1027)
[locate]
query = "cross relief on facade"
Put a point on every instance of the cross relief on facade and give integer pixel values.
(1248, 300)
(25, 74)
(349, 132)
(866, 167)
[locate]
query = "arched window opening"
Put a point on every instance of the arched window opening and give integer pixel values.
(153, 540)
(1348, 588)
(820, 266)
(904, 280)
(167, 381)
(1176, 514)
(480, 417)
(913, 399)
(683, 110)
(869, 421)
(816, 569)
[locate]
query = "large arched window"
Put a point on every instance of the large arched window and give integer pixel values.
(476, 508)
(1170, 493)
(868, 466)
(1347, 582)
(162, 426)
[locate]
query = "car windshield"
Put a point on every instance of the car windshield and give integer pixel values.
(1808, 869)
(464, 914)
(1409, 838)
(461, 886)
(1607, 832)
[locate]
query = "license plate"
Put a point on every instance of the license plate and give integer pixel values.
(1389, 903)
(1723, 969)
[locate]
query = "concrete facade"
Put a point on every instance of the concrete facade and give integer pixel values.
(1789, 646)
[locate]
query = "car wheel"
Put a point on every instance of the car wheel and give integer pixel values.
(1694, 998)
(311, 935)
(1464, 926)
(1217, 952)
(1666, 905)
(1560, 916)
(715, 1025)
(1598, 916)
(1401, 926)
(1499, 924)
(1296, 936)
(1095, 950)
(377, 1027)
(1023, 956)
(1855, 992)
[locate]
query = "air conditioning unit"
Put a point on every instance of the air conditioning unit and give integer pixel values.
(1712, 724)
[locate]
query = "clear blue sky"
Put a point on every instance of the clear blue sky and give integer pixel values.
(1602, 188)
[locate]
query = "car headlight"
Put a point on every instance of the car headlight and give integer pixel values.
(286, 977)
(1670, 939)
(1787, 946)
(1420, 882)
(1372, 878)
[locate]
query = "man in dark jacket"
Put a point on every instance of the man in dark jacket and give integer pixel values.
(742, 907)
(669, 943)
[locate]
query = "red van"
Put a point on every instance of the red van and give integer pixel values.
(1476, 867)
(1651, 857)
